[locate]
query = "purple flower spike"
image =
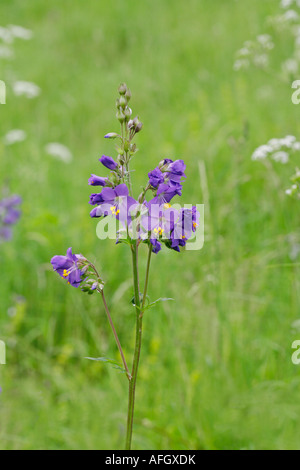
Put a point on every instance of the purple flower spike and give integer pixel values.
(108, 162)
(67, 267)
(95, 180)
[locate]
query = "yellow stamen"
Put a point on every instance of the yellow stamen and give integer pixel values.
(167, 205)
(195, 224)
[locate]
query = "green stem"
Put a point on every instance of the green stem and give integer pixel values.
(115, 335)
(138, 337)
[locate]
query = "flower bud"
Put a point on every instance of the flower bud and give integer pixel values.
(122, 102)
(128, 94)
(122, 89)
(130, 124)
(111, 135)
(128, 112)
(138, 127)
(121, 159)
(120, 116)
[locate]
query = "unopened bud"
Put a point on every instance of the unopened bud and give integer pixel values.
(138, 127)
(128, 94)
(121, 159)
(122, 89)
(122, 102)
(130, 124)
(111, 135)
(120, 116)
(128, 112)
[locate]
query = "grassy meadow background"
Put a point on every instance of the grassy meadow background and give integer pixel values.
(216, 370)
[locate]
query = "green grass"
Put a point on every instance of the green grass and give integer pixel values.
(216, 370)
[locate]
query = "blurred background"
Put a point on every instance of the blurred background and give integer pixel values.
(216, 369)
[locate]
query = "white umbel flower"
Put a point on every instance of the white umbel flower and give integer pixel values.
(14, 136)
(59, 151)
(28, 89)
(20, 32)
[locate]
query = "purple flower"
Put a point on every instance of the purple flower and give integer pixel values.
(166, 191)
(156, 177)
(5, 234)
(9, 215)
(108, 162)
(159, 220)
(186, 224)
(68, 267)
(167, 178)
(156, 245)
(95, 180)
(175, 171)
(115, 201)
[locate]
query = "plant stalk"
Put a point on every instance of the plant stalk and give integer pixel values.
(138, 337)
(115, 335)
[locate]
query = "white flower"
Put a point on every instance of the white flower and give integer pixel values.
(288, 192)
(28, 89)
(241, 64)
(6, 35)
(6, 52)
(261, 152)
(265, 41)
(290, 15)
(290, 66)
(59, 151)
(261, 60)
(296, 146)
(13, 136)
(281, 156)
(275, 144)
(288, 141)
(20, 32)
(286, 3)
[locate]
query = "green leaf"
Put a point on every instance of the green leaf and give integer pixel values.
(161, 299)
(115, 364)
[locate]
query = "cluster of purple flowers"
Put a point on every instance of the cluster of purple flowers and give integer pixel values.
(9, 215)
(153, 221)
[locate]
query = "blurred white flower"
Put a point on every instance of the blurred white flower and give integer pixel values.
(277, 149)
(20, 32)
(286, 3)
(261, 60)
(59, 151)
(290, 16)
(6, 35)
(266, 41)
(262, 152)
(6, 52)
(255, 52)
(281, 157)
(241, 64)
(290, 66)
(28, 89)
(13, 136)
